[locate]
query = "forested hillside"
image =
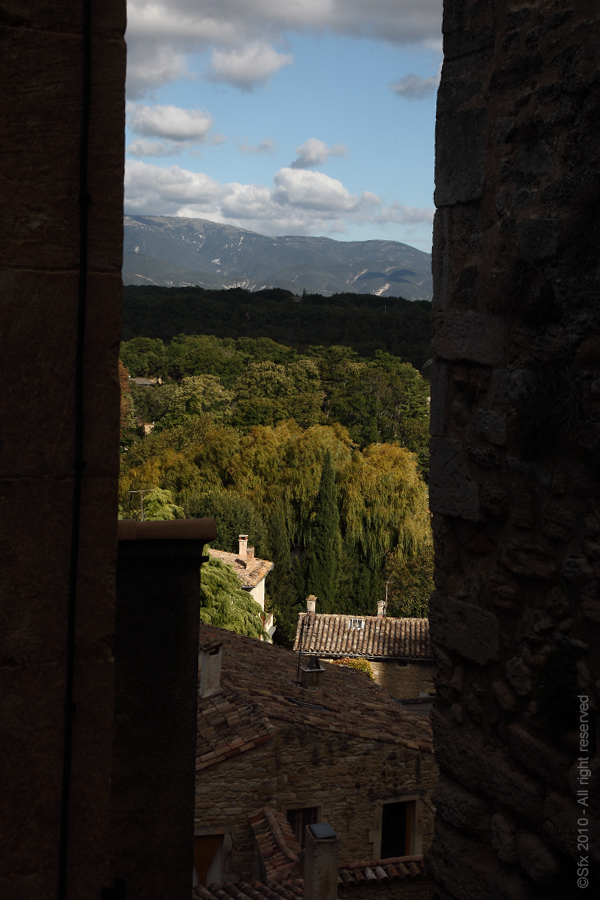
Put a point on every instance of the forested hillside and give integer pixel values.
(363, 322)
(320, 456)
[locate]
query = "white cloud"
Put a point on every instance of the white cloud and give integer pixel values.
(412, 87)
(298, 202)
(248, 66)
(145, 147)
(266, 146)
(171, 122)
(314, 152)
(161, 33)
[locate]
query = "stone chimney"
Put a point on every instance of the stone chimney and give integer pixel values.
(311, 603)
(210, 668)
(381, 607)
(243, 547)
(250, 555)
(320, 862)
(311, 676)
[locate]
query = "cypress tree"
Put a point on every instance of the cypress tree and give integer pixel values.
(325, 551)
(286, 603)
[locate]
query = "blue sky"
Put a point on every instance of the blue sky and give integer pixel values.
(291, 117)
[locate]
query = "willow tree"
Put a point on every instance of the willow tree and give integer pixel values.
(223, 602)
(325, 549)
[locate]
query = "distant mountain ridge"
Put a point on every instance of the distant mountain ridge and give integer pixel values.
(172, 251)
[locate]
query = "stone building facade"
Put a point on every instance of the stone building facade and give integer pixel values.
(398, 649)
(515, 450)
(337, 754)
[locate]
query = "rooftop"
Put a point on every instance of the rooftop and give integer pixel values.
(370, 637)
(259, 689)
(250, 571)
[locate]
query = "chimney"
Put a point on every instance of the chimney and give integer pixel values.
(381, 607)
(321, 862)
(243, 548)
(210, 668)
(250, 554)
(311, 676)
(311, 603)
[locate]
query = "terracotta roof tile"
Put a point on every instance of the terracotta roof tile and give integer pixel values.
(379, 637)
(228, 725)
(250, 573)
(259, 687)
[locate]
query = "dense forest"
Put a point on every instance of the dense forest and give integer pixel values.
(363, 322)
(320, 455)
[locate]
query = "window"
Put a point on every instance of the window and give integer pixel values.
(397, 829)
(357, 623)
(300, 818)
(208, 859)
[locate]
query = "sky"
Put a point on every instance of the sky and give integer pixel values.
(285, 117)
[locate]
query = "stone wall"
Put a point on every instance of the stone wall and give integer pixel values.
(225, 795)
(41, 65)
(343, 775)
(515, 448)
(404, 681)
(346, 777)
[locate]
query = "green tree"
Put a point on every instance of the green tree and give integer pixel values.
(284, 598)
(158, 504)
(411, 582)
(234, 515)
(325, 549)
(225, 604)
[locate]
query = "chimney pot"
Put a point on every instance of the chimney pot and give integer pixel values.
(210, 668)
(311, 603)
(243, 547)
(312, 674)
(321, 863)
(381, 610)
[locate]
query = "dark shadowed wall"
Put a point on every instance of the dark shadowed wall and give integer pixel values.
(515, 450)
(42, 64)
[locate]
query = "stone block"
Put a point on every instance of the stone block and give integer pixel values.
(495, 501)
(538, 239)
(461, 808)
(452, 490)
(460, 157)
(508, 386)
(519, 675)
(471, 337)
(107, 16)
(539, 757)
(477, 875)
(489, 426)
(462, 754)
(531, 558)
(504, 840)
(467, 629)
(538, 860)
(439, 385)
(561, 815)
(440, 259)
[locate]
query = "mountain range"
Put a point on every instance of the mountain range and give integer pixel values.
(178, 252)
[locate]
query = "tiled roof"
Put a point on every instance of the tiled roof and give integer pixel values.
(397, 867)
(250, 573)
(228, 725)
(277, 845)
(243, 891)
(373, 637)
(263, 676)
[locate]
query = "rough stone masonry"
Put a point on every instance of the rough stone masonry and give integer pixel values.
(515, 451)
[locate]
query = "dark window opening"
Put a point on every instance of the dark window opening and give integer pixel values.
(208, 859)
(300, 818)
(396, 829)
